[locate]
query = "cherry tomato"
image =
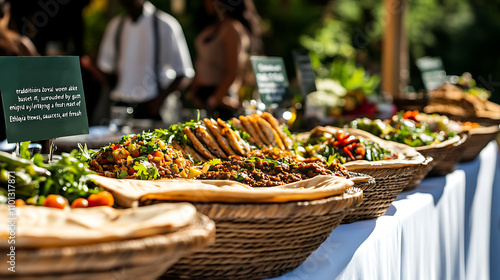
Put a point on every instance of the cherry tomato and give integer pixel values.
(101, 199)
(407, 114)
(55, 201)
(411, 115)
(19, 203)
(80, 203)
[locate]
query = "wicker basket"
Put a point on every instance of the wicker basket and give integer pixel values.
(144, 258)
(477, 139)
(420, 174)
(263, 240)
(390, 182)
(391, 176)
(445, 154)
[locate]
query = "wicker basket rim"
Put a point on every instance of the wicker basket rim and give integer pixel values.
(447, 143)
(219, 211)
(484, 130)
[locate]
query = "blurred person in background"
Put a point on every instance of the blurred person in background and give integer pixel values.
(11, 44)
(143, 57)
(56, 27)
(223, 48)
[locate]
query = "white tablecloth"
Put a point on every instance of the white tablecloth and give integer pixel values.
(441, 230)
(494, 262)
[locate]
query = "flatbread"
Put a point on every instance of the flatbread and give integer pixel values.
(238, 125)
(233, 138)
(197, 144)
(39, 227)
(270, 133)
(251, 130)
(194, 154)
(253, 120)
(276, 125)
(204, 136)
(223, 143)
(128, 191)
(179, 148)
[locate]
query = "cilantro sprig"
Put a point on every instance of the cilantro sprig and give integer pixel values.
(145, 170)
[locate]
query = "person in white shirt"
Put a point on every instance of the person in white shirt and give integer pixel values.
(145, 57)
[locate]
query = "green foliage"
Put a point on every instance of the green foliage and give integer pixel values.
(459, 31)
(145, 170)
(353, 77)
(34, 180)
(95, 19)
(24, 150)
(332, 40)
(69, 178)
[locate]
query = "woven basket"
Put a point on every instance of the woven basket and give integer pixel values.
(420, 174)
(445, 154)
(391, 176)
(263, 240)
(144, 258)
(390, 182)
(477, 139)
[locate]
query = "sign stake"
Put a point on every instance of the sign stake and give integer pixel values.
(52, 148)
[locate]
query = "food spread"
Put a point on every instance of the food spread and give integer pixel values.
(404, 127)
(211, 149)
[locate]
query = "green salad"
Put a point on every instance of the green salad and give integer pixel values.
(341, 146)
(405, 127)
(32, 180)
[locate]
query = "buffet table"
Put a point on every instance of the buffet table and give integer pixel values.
(441, 230)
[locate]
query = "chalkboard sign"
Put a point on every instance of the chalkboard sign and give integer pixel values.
(433, 73)
(271, 78)
(42, 97)
(305, 72)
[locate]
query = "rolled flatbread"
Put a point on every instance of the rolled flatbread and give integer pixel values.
(223, 143)
(187, 150)
(251, 130)
(204, 136)
(238, 125)
(253, 120)
(197, 144)
(233, 138)
(276, 125)
(270, 133)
